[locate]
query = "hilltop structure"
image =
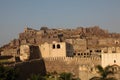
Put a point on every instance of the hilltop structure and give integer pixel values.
(69, 50)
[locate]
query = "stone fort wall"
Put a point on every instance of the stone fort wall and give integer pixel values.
(58, 64)
(26, 69)
(72, 65)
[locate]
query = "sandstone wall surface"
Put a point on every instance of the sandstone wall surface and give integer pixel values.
(26, 69)
(71, 65)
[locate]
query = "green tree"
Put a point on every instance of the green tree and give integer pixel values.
(104, 73)
(36, 77)
(8, 73)
(66, 76)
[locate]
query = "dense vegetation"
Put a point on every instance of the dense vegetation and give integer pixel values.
(105, 73)
(53, 76)
(8, 73)
(11, 73)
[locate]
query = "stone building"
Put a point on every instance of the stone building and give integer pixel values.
(79, 45)
(111, 56)
(55, 49)
(45, 50)
(110, 59)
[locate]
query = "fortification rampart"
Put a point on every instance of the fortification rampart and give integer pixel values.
(58, 64)
(76, 60)
(70, 64)
(26, 69)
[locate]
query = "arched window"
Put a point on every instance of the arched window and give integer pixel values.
(116, 42)
(53, 46)
(84, 53)
(74, 53)
(90, 51)
(81, 53)
(58, 46)
(87, 53)
(114, 61)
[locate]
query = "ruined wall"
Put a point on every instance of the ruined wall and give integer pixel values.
(92, 42)
(9, 52)
(95, 36)
(28, 52)
(108, 42)
(61, 65)
(24, 52)
(78, 44)
(26, 69)
(83, 68)
(15, 43)
(69, 64)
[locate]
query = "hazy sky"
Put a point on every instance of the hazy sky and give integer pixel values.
(15, 14)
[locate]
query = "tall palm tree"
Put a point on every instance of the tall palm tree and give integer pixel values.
(104, 73)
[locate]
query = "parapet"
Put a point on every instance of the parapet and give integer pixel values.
(75, 60)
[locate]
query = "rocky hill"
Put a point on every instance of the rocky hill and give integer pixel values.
(92, 35)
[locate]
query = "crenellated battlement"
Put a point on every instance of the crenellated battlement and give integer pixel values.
(75, 60)
(71, 58)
